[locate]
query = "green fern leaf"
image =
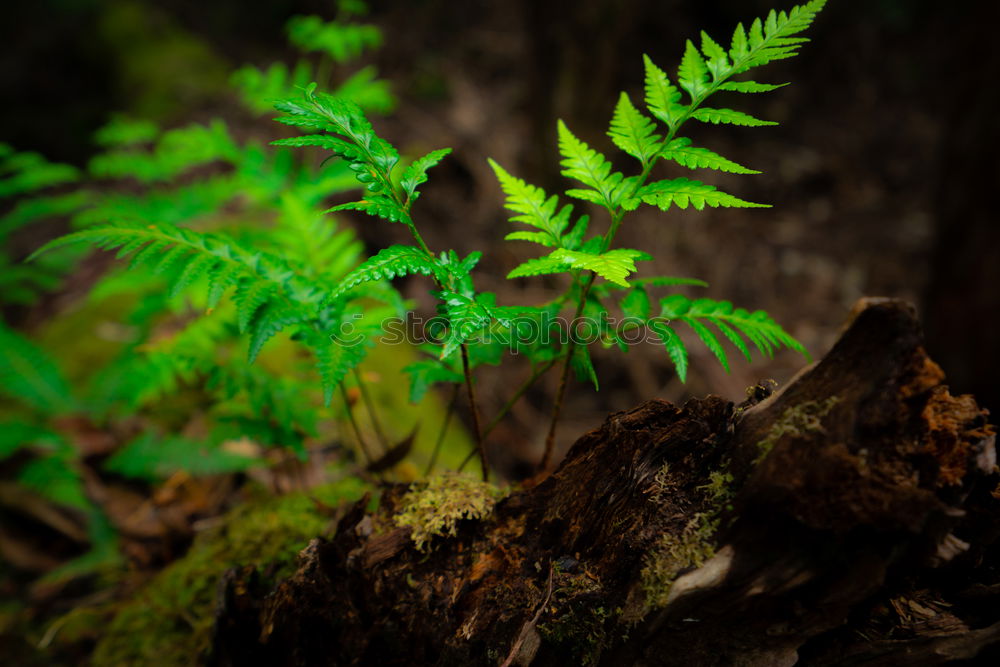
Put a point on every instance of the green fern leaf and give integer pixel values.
(613, 265)
(583, 366)
(709, 339)
(255, 264)
(733, 337)
(335, 360)
(772, 39)
(28, 375)
(636, 304)
(750, 86)
(539, 266)
(532, 205)
(270, 320)
(683, 191)
(586, 165)
(718, 61)
(338, 146)
(728, 116)
(380, 207)
(758, 327)
(425, 374)
(633, 132)
(249, 297)
(371, 157)
(416, 173)
(693, 74)
(662, 98)
(674, 345)
(683, 153)
(540, 238)
(391, 262)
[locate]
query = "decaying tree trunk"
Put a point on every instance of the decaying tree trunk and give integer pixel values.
(848, 519)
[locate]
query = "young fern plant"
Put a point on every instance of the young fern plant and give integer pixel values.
(702, 73)
(342, 128)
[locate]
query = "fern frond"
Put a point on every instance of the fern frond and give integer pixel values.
(270, 320)
(29, 375)
(340, 41)
(379, 207)
(335, 358)
(632, 132)
(684, 191)
(674, 345)
(391, 262)
(425, 373)
(538, 266)
(772, 39)
(541, 238)
(416, 173)
(591, 168)
(758, 327)
(750, 86)
(369, 156)
(728, 116)
(662, 98)
(693, 75)
(683, 153)
(532, 205)
(613, 265)
(186, 245)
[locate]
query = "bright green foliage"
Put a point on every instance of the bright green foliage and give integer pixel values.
(29, 376)
(683, 191)
(613, 265)
(230, 257)
(703, 71)
(30, 178)
(388, 263)
(683, 153)
(633, 132)
(340, 41)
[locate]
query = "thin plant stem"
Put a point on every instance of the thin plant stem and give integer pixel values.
(474, 408)
(354, 424)
(370, 407)
(443, 431)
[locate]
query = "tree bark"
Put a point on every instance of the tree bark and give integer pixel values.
(849, 518)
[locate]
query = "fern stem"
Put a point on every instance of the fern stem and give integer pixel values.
(354, 425)
(616, 220)
(474, 408)
(370, 407)
(443, 431)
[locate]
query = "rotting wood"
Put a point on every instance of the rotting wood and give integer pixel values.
(850, 518)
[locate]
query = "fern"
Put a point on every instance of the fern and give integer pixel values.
(388, 263)
(683, 153)
(29, 376)
(613, 265)
(681, 192)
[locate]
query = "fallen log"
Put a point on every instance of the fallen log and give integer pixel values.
(849, 518)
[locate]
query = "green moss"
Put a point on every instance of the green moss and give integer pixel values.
(797, 421)
(579, 625)
(434, 508)
(169, 621)
(673, 554)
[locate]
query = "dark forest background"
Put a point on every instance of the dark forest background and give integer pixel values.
(882, 171)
